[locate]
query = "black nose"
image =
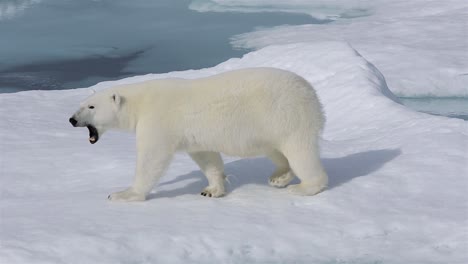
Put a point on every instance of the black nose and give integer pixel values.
(73, 121)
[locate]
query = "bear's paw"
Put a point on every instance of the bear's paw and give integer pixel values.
(305, 189)
(127, 196)
(281, 179)
(211, 191)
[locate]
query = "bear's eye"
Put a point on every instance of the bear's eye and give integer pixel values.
(91, 107)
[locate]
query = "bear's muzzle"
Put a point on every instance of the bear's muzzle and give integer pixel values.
(93, 132)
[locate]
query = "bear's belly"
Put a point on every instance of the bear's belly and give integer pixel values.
(247, 148)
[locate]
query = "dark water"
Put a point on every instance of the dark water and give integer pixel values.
(59, 44)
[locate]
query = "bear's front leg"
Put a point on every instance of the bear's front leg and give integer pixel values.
(152, 161)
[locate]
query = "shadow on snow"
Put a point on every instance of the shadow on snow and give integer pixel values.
(257, 170)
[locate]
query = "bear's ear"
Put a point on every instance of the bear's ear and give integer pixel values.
(116, 99)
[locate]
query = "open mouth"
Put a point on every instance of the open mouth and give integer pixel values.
(93, 134)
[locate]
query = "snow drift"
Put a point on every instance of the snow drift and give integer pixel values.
(398, 182)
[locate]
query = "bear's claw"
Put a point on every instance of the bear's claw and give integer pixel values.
(206, 194)
(213, 191)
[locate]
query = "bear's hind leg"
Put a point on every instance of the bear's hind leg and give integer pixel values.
(212, 166)
(305, 162)
(283, 174)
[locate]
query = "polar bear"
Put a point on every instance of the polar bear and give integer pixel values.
(247, 112)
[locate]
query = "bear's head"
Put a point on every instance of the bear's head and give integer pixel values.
(98, 113)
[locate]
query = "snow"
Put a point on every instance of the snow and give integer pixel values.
(397, 193)
(420, 46)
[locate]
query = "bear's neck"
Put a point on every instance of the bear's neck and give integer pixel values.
(128, 118)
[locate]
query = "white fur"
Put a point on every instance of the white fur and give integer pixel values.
(248, 112)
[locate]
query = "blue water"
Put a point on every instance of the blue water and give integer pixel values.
(456, 107)
(58, 44)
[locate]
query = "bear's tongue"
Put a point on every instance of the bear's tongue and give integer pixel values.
(93, 134)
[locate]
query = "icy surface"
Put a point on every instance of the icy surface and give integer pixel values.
(397, 193)
(420, 46)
